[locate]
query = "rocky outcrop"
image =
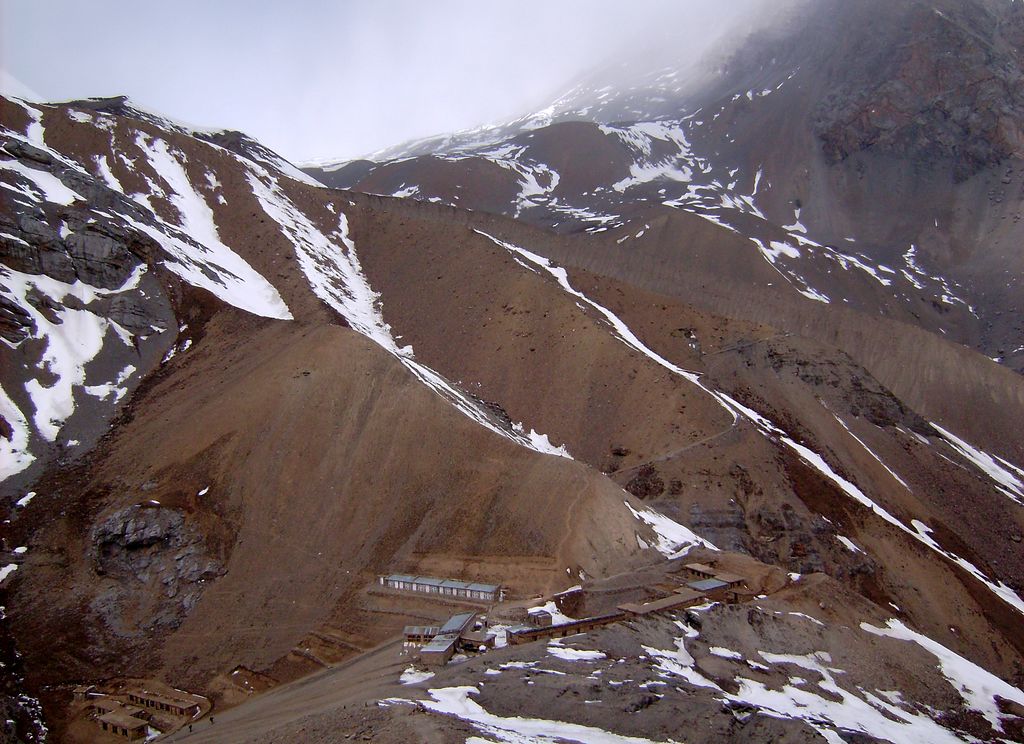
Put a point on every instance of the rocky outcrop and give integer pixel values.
(72, 242)
(952, 90)
(647, 483)
(153, 556)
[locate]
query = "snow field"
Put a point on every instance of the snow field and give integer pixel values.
(72, 340)
(331, 266)
(195, 242)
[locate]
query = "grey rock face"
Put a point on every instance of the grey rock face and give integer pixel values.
(99, 259)
(94, 248)
(95, 239)
(955, 94)
(154, 558)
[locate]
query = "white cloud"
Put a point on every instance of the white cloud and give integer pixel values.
(11, 86)
(319, 78)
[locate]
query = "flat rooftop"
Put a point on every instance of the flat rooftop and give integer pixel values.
(158, 698)
(683, 598)
(701, 568)
(421, 630)
(729, 578)
(707, 585)
(117, 718)
(440, 644)
(472, 586)
(457, 623)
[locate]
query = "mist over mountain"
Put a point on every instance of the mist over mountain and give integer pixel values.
(682, 406)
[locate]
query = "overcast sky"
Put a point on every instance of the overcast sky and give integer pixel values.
(315, 79)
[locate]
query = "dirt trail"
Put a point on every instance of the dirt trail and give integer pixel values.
(675, 453)
(349, 685)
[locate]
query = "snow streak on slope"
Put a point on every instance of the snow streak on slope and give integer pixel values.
(677, 166)
(871, 452)
(35, 135)
(455, 701)
(196, 245)
(766, 427)
(674, 540)
(921, 532)
(333, 271)
(49, 187)
(72, 338)
(14, 454)
(536, 180)
(620, 329)
(978, 687)
(995, 467)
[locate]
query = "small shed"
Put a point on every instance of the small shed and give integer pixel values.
(121, 724)
(474, 639)
(420, 633)
(440, 650)
(715, 589)
(540, 618)
(81, 692)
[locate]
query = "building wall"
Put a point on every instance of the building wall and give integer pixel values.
(447, 591)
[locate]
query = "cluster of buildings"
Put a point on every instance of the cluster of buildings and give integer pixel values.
(699, 583)
(128, 721)
(132, 719)
(461, 632)
(704, 583)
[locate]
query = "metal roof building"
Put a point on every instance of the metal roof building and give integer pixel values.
(458, 623)
(441, 587)
(420, 633)
(439, 650)
(707, 585)
(681, 599)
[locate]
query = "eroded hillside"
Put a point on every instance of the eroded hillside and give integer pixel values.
(233, 397)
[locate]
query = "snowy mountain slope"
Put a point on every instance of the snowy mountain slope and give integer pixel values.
(646, 322)
(883, 222)
(78, 285)
(711, 673)
(658, 166)
(652, 165)
(723, 470)
(117, 225)
(107, 238)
